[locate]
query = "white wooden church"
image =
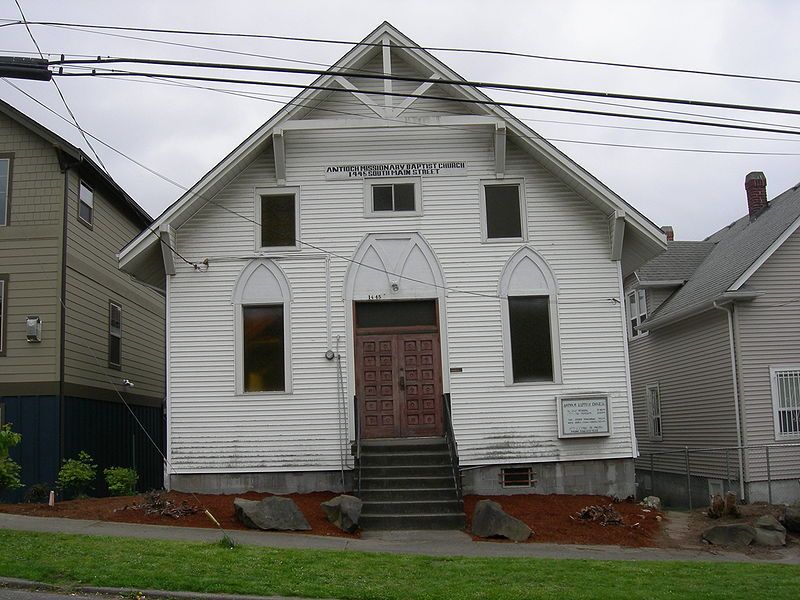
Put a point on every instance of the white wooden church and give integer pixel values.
(382, 263)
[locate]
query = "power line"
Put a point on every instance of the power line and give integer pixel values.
(58, 89)
(414, 47)
(429, 97)
(423, 80)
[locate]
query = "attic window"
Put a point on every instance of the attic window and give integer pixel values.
(517, 477)
(277, 219)
(637, 312)
(387, 198)
(85, 204)
(503, 211)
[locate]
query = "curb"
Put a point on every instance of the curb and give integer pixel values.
(25, 584)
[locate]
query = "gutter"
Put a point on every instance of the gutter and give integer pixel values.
(728, 308)
(691, 311)
(664, 283)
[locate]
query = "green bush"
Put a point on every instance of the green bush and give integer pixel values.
(77, 475)
(9, 469)
(121, 481)
(37, 493)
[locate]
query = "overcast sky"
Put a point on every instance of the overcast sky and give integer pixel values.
(182, 132)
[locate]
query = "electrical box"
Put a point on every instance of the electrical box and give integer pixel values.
(33, 329)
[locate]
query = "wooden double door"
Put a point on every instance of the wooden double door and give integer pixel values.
(399, 376)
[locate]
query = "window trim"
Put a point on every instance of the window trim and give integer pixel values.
(4, 313)
(506, 289)
(773, 384)
(369, 182)
(641, 317)
(111, 304)
(523, 210)
(90, 222)
(651, 417)
(9, 156)
(238, 301)
(276, 191)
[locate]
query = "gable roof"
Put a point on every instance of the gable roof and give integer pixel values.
(119, 197)
(642, 238)
(737, 251)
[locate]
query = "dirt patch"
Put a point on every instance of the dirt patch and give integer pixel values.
(221, 506)
(553, 518)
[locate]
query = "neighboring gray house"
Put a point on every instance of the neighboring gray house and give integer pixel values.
(714, 330)
(62, 221)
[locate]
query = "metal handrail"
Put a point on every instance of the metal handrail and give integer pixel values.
(450, 437)
(357, 423)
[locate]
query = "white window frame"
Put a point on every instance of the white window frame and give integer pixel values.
(115, 332)
(523, 210)
(81, 186)
(4, 215)
(276, 191)
(776, 408)
(272, 298)
(370, 213)
(640, 317)
(654, 416)
(3, 312)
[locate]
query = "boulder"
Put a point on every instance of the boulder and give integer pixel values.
(791, 519)
(343, 511)
(769, 531)
(652, 502)
(272, 513)
(490, 520)
(730, 535)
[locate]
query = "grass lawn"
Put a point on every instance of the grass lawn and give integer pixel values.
(201, 567)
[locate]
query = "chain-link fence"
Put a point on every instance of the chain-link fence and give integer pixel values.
(688, 477)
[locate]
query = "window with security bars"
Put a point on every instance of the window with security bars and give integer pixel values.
(517, 477)
(786, 401)
(654, 411)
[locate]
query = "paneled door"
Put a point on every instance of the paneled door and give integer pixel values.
(398, 376)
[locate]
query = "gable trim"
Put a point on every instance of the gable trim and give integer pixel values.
(765, 256)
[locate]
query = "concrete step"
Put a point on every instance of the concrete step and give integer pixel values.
(392, 494)
(369, 483)
(409, 521)
(407, 471)
(402, 444)
(412, 507)
(404, 458)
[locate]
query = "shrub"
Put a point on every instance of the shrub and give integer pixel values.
(9, 469)
(77, 475)
(37, 493)
(121, 481)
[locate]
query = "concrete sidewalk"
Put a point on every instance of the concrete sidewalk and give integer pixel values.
(434, 543)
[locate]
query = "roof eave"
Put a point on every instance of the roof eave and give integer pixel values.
(692, 311)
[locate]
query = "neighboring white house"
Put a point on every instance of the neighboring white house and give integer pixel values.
(715, 357)
(362, 257)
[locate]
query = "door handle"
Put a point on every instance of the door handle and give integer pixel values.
(402, 380)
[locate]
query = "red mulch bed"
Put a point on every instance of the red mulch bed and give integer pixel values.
(549, 518)
(221, 506)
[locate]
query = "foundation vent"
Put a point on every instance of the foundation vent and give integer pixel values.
(511, 477)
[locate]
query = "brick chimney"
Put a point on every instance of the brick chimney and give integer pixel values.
(670, 233)
(755, 184)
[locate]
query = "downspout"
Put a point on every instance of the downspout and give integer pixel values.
(728, 309)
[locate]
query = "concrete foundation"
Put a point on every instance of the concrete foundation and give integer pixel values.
(606, 477)
(274, 483)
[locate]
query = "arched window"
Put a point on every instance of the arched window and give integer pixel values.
(529, 305)
(261, 300)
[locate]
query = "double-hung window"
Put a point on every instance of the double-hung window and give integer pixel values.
(85, 204)
(277, 218)
(392, 197)
(653, 398)
(503, 211)
(785, 383)
(5, 188)
(114, 335)
(637, 312)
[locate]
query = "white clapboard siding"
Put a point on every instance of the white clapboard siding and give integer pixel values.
(213, 429)
(769, 336)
